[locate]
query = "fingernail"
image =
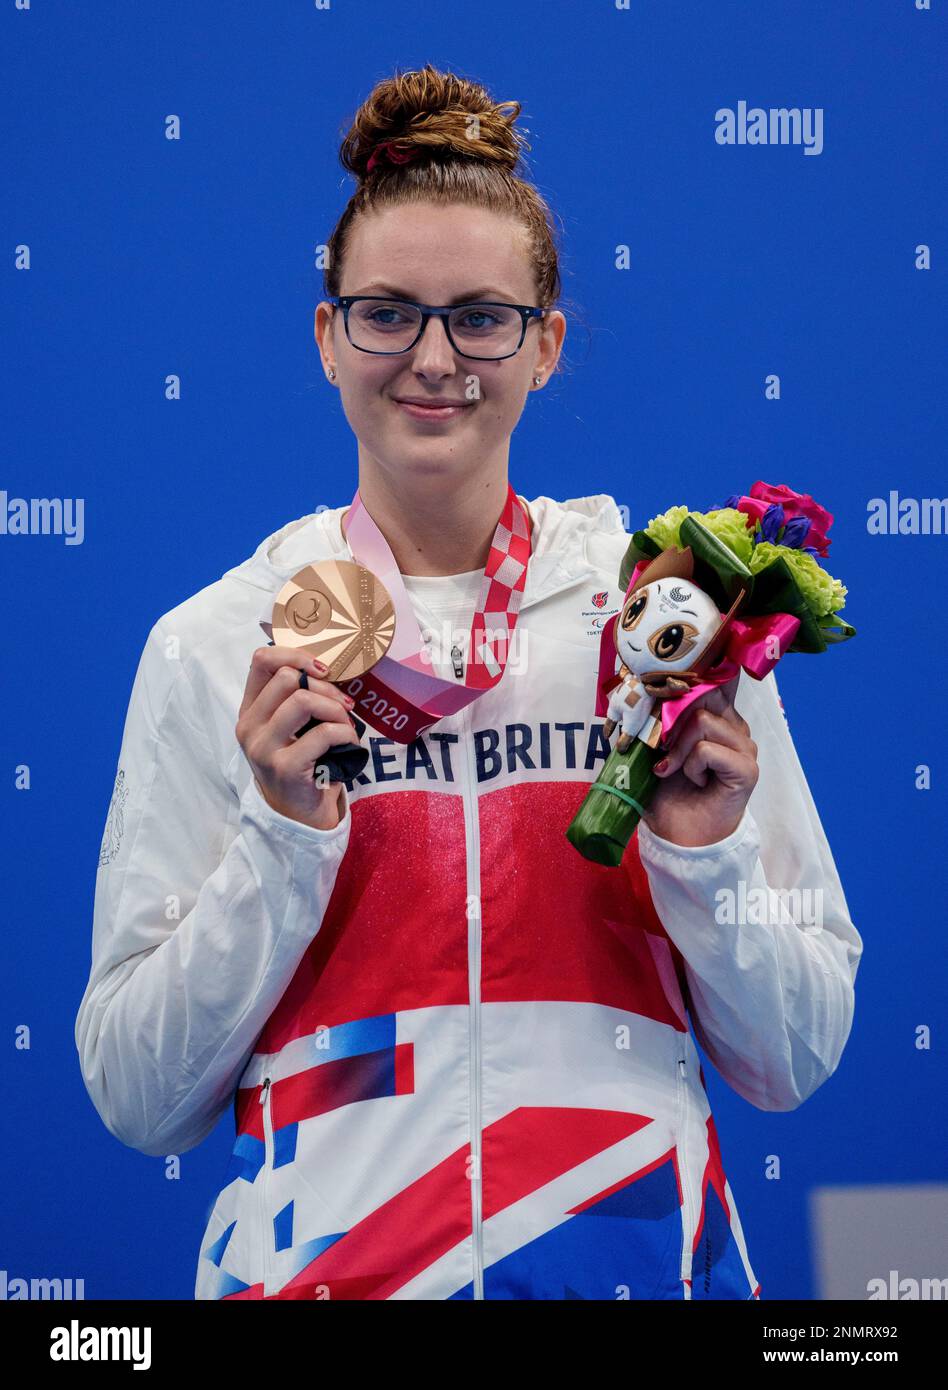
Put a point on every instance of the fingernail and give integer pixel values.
(319, 665)
(661, 767)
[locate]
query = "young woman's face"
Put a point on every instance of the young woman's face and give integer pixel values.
(437, 255)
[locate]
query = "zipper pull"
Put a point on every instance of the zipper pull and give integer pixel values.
(681, 1063)
(264, 1089)
(458, 663)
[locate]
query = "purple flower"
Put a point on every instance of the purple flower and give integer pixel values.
(770, 524)
(795, 532)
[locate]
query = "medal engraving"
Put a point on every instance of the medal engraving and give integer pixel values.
(340, 613)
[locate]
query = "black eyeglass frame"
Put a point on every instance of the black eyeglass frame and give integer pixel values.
(527, 312)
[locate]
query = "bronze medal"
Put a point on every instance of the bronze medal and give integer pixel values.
(338, 612)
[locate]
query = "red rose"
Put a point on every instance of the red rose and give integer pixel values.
(753, 508)
(797, 504)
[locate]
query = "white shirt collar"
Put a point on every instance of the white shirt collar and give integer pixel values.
(557, 560)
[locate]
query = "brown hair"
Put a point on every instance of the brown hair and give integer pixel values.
(461, 147)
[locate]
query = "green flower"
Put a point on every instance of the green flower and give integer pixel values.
(727, 523)
(822, 592)
(664, 529)
(730, 526)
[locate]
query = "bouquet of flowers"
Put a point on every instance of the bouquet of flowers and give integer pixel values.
(707, 594)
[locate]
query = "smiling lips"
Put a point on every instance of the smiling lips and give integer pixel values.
(431, 409)
(436, 401)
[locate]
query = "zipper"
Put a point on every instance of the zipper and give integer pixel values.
(473, 851)
(688, 1217)
(267, 1165)
(472, 847)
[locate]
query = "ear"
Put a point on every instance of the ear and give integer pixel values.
(670, 564)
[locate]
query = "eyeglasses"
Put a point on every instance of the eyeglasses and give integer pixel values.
(486, 331)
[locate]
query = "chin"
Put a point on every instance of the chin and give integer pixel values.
(424, 461)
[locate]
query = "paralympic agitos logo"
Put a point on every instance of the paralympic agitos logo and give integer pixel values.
(598, 615)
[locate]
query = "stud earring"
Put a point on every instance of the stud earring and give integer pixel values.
(537, 380)
(331, 374)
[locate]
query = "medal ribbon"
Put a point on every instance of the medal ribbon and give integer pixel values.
(400, 696)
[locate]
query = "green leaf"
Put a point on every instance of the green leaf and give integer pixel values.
(603, 825)
(640, 547)
(776, 591)
(646, 544)
(717, 570)
(829, 625)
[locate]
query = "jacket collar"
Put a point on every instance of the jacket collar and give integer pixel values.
(558, 556)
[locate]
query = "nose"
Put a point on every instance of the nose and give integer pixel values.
(433, 355)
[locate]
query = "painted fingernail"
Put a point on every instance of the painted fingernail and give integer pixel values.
(661, 767)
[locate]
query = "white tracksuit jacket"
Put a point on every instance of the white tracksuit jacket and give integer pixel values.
(458, 1053)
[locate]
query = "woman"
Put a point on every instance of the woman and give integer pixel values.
(458, 1051)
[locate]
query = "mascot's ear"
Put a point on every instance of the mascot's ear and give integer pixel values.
(670, 564)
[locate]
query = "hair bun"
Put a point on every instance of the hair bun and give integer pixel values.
(431, 113)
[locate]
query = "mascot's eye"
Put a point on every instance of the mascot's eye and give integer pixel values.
(677, 639)
(636, 607)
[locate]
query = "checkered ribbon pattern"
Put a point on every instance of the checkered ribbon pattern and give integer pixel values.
(407, 697)
(498, 603)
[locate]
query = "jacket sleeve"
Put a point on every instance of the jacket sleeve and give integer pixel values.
(770, 974)
(204, 906)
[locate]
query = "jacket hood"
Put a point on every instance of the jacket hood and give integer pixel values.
(559, 557)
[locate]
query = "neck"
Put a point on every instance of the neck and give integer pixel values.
(432, 528)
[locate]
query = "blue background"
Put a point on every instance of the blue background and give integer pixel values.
(196, 257)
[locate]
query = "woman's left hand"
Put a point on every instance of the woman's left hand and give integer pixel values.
(711, 772)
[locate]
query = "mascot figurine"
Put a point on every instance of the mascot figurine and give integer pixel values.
(666, 627)
(736, 589)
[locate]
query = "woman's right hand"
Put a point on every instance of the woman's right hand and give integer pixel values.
(274, 706)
